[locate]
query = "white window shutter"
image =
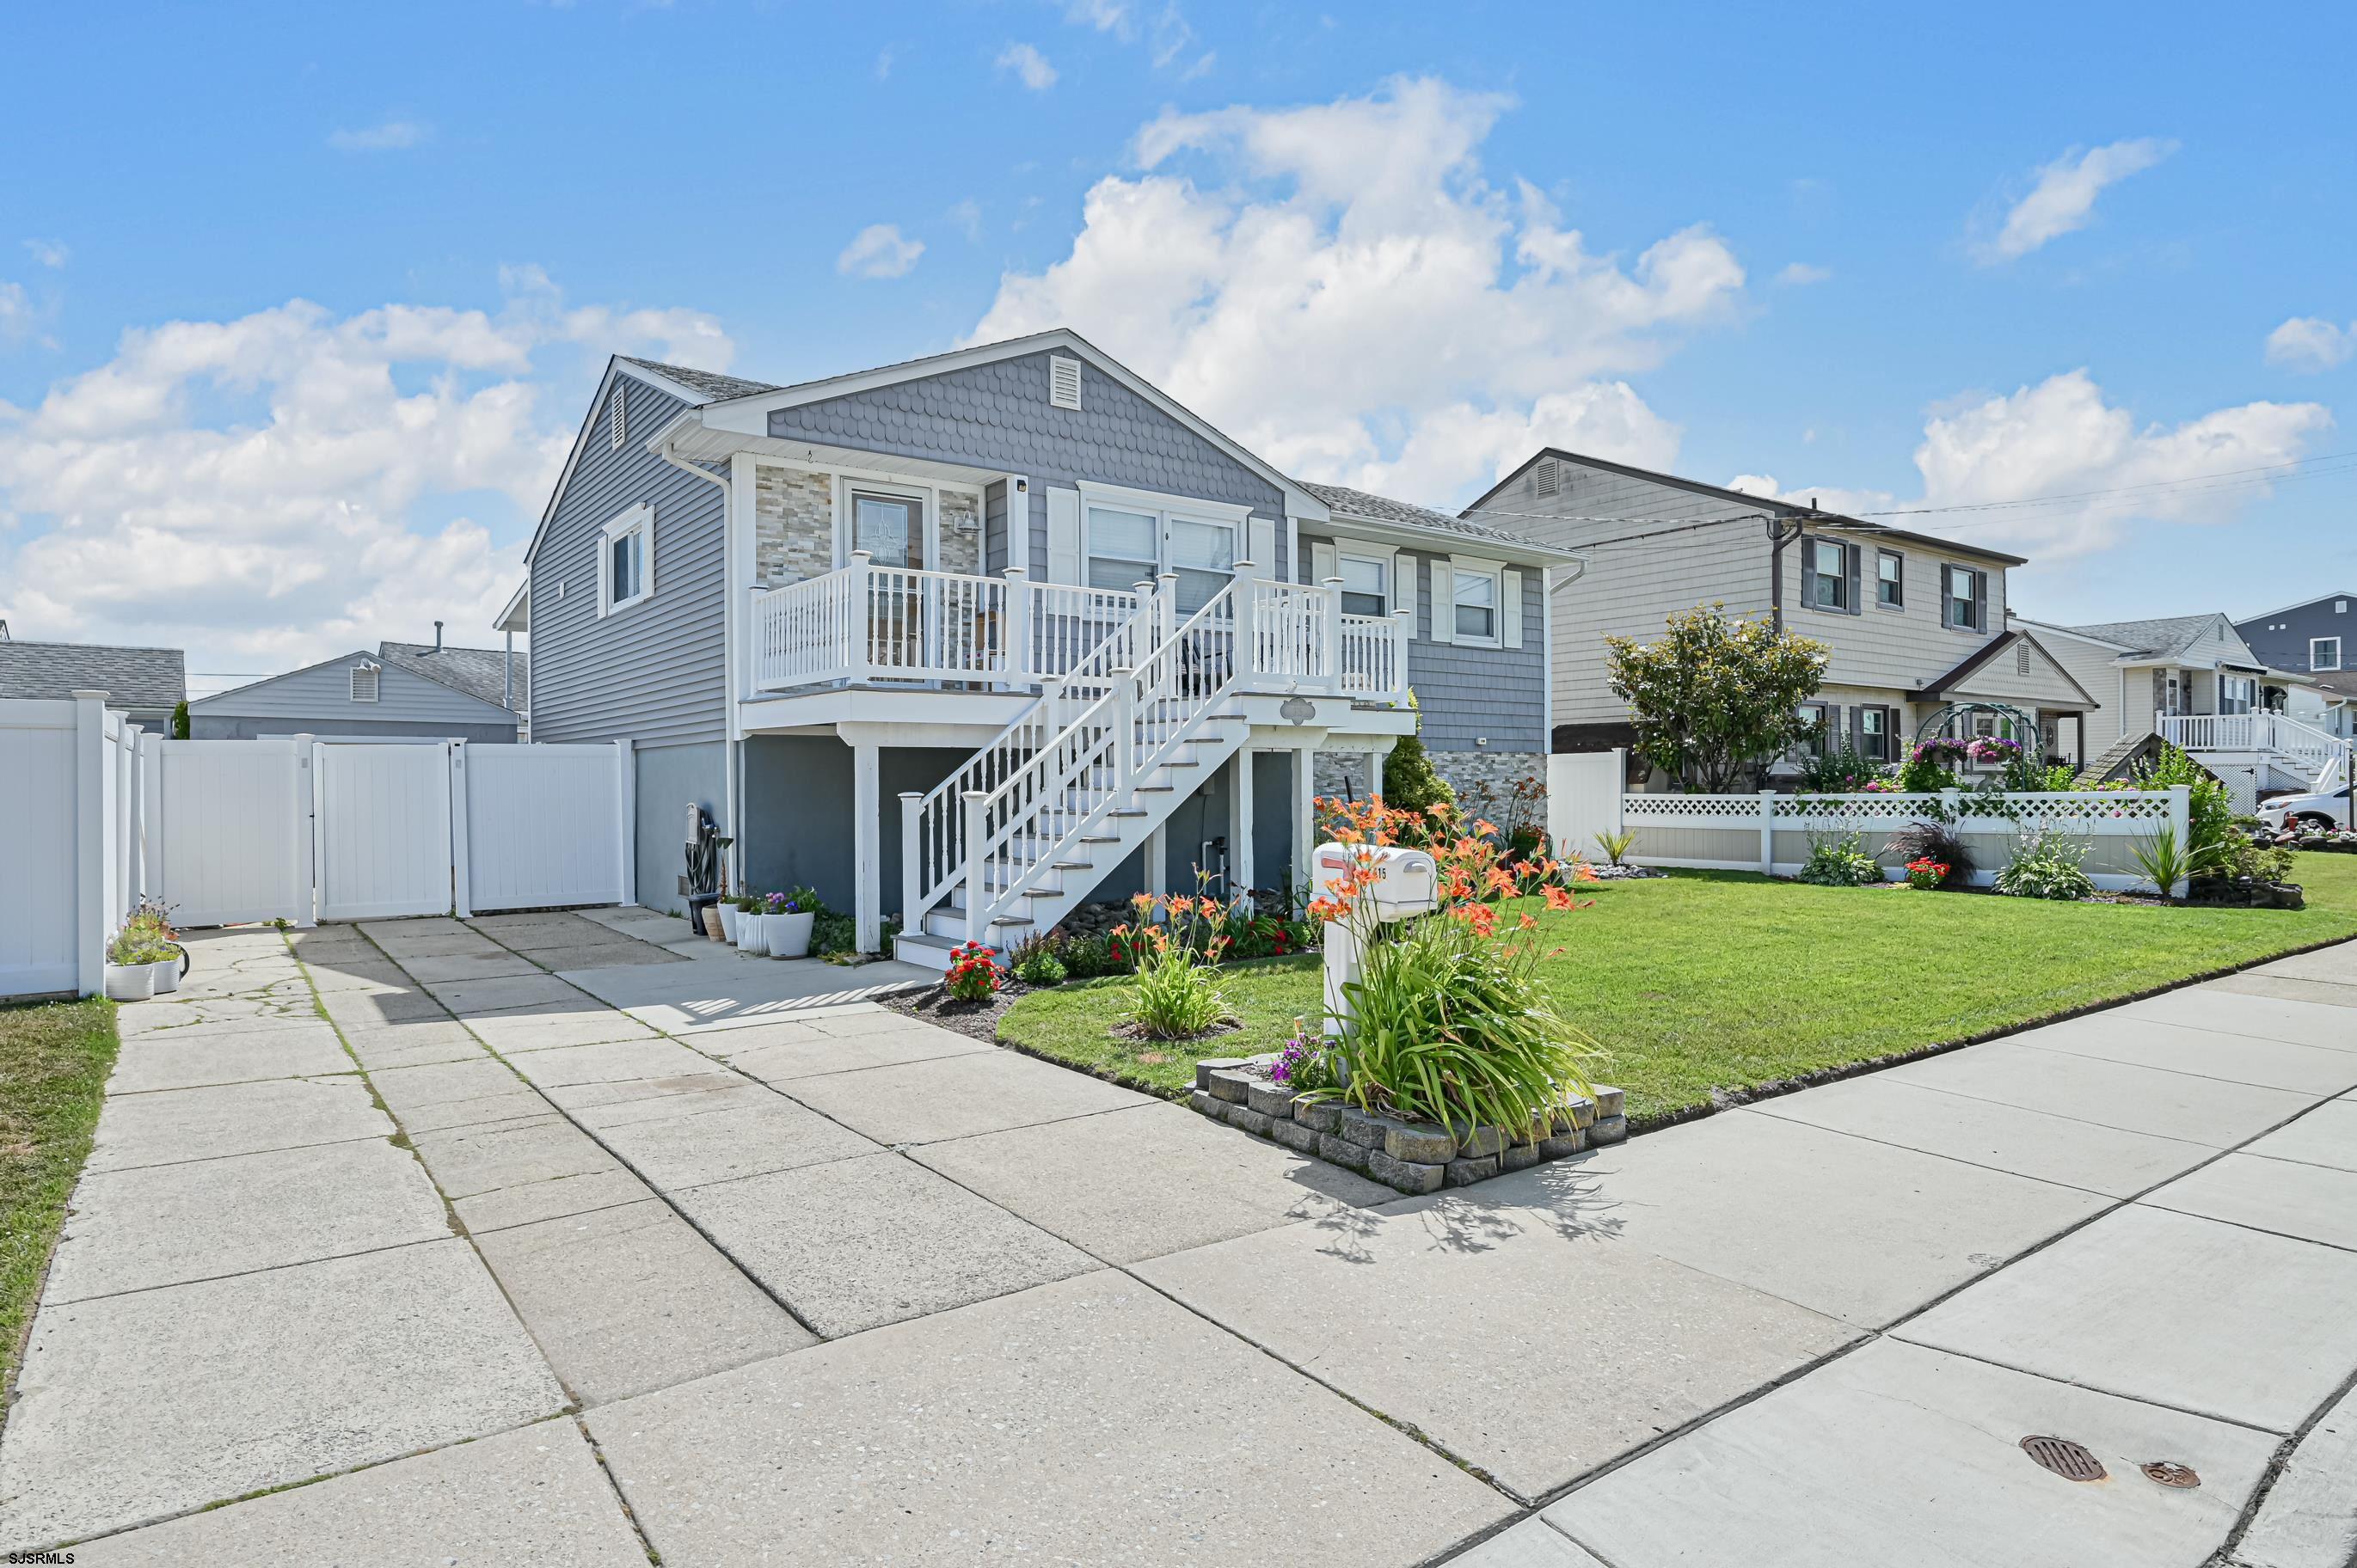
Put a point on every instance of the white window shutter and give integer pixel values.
(1510, 609)
(1443, 602)
(1263, 547)
(1324, 562)
(1403, 586)
(1064, 564)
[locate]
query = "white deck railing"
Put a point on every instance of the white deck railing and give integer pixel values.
(891, 623)
(2278, 734)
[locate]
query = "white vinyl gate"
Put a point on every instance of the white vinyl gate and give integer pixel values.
(383, 826)
(309, 830)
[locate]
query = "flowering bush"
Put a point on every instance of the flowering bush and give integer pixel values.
(2047, 865)
(1036, 962)
(974, 974)
(1172, 949)
(1307, 1062)
(1989, 750)
(1449, 1022)
(1926, 873)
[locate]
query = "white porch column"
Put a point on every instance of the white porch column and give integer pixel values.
(1240, 827)
(866, 855)
(1374, 774)
(1158, 861)
(1017, 663)
(1305, 813)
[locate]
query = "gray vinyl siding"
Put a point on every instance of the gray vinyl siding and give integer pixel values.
(670, 778)
(320, 700)
(994, 529)
(998, 416)
(1470, 693)
(655, 672)
(2281, 641)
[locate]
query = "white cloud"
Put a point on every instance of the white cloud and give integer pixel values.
(879, 251)
(2063, 199)
(1348, 293)
(1029, 66)
(885, 59)
(389, 136)
(1105, 16)
(2311, 343)
(1799, 273)
(280, 488)
(51, 253)
(1825, 497)
(16, 312)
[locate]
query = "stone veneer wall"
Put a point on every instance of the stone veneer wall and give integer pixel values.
(1330, 768)
(961, 534)
(1470, 772)
(793, 525)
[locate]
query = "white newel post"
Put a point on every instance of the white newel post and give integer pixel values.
(1247, 619)
(1124, 723)
(1403, 633)
(93, 923)
(1017, 661)
(626, 816)
(976, 891)
(1330, 635)
(2181, 801)
(859, 627)
(305, 760)
(912, 872)
(1767, 832)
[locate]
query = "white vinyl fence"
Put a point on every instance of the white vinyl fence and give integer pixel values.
(94, 814)
(1773, 833)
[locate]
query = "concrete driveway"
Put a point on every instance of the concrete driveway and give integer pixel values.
(542, 1220)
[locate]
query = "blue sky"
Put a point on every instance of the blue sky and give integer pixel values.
(297, 314)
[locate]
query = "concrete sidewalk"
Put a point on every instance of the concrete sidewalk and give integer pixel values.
(795, 1277)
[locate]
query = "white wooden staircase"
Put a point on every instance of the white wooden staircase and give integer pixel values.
(1017, 837)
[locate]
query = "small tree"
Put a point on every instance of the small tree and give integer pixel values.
(1716, 695)
(180, 721)
(1410, 781)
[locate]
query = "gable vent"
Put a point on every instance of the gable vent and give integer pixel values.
(363, 682)
(2021, 658)
(1063, 381)
(615, 416)
(1547, 479)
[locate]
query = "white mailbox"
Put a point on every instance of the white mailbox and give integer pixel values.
(1406, 883)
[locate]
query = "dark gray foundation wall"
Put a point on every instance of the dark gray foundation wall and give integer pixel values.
(670, 778)
(798, 817)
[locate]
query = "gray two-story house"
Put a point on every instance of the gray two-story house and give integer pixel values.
(1916, 624)
(973, 638)
(2316, 638)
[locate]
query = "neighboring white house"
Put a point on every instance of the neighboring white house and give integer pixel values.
(428, 691)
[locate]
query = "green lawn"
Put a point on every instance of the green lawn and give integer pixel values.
(1710, 980)
(54, 1060)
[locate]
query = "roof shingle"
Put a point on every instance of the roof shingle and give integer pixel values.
(141, 678)
(477, 672)
(2162, 635)
(712, 384)
(1343, 501)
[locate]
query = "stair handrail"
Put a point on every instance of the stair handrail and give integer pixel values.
(1152, 709)
(933, 851)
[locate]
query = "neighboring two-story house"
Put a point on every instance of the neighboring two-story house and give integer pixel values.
(2316, 638)
(975, 638)
(1914, 622)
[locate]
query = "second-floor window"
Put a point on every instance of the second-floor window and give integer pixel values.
(1829, 574)
(626, 560)
(2324, 653)
(1889, 579)
(1366, 583)
(1963, 599)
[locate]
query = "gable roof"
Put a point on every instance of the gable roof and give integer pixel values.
(1980, 657)
(131, 677)
(2307, 603)
(1365, 506)
(1768, 504)
(477, 671)
(2159, 636)
(710, 385)
(383, 655)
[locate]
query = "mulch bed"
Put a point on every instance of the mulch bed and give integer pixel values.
(977, 1019)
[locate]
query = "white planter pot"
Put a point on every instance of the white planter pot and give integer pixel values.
(130, 981)
(728, 916)
(789, 934)
(168, 974)
(752, 933)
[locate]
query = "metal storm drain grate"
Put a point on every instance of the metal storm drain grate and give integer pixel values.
(2069, 1460)
(2169, 1473)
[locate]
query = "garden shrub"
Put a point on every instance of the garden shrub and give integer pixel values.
(1175, 996)
(1036, 963)
(2210, 834)
(973, 974)
(1844, 770)
(1410, 781)
(2047, 864)
(1840, 862)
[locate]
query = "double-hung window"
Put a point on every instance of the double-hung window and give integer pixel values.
(1366, 583)
(2236, 694)
(1815, 739)
(2324, 653)
(1134, 543)
(1874, 733)
(1889, 579)
(1966, 595)
(626, 560)
(1477, 604)
(1829, 574)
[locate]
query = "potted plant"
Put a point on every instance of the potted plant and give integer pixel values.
(731, 905)
(791, 916)
(130, 961)
(752, 924)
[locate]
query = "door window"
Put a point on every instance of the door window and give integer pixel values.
(891, 529)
